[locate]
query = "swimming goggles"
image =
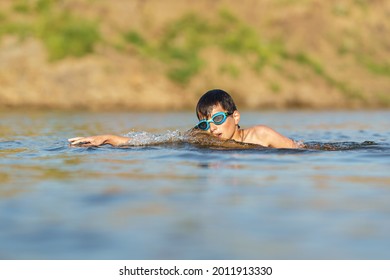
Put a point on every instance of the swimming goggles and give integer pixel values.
(218, 119)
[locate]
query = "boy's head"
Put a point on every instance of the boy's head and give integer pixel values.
(213, 98)
(218, 114)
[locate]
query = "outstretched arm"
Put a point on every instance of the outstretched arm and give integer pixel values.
(98, 140)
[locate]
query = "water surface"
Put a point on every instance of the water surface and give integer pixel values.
(183, 201)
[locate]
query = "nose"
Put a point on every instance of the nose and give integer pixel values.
(213, 127)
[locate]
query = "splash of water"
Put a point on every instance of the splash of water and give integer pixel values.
(144, 138)
(204, 139)
(193, 136)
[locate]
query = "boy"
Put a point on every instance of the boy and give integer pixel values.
(218, 115)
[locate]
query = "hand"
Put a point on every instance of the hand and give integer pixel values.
(92, 141)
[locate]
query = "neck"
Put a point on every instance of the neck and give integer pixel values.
(238, 135)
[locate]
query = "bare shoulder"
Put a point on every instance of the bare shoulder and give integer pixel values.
(258, 134)
(261, 131)
(268, 137)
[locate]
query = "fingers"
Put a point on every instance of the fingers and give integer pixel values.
(91, 141)
(79, 141)
(75, 139)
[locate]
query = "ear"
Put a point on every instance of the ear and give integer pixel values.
(236, 117)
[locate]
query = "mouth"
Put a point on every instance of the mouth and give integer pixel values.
(218, 135)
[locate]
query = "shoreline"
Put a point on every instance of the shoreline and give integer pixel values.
(311, 55)
(33, 109)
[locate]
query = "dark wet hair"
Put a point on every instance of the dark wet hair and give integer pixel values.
(214, 97)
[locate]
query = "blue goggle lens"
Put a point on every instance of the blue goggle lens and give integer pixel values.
(203, 125)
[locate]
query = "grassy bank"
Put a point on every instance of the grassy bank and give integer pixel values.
(97, 54)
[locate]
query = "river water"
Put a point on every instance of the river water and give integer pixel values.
(183, 201)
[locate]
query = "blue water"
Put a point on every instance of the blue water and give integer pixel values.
(183, 201)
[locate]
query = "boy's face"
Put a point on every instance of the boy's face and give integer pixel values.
(226, 130)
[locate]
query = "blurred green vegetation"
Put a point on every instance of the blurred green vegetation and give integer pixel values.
(181, 44)
(374, 67)
(183, 40)
(65, 35)
(317, 68)
(62, 33)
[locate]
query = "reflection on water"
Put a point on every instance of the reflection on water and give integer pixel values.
(173, 197)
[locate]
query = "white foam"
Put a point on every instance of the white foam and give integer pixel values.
(144, 138)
